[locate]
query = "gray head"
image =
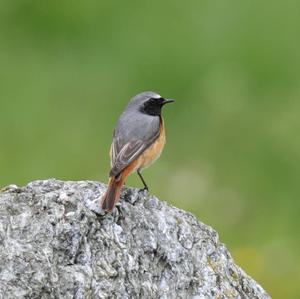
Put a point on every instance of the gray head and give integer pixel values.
(148, 102)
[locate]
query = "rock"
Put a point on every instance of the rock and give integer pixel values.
(55, 242)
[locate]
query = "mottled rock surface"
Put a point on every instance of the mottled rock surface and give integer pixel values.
(55, 242)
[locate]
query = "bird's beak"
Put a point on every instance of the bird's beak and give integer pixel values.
(166, 101)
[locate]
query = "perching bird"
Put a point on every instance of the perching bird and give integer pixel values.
(138, 141)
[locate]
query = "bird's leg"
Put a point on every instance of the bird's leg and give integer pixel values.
(144, 183)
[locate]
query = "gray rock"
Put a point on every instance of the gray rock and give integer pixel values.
(55, 242)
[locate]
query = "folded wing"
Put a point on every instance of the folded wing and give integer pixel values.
(123, 153)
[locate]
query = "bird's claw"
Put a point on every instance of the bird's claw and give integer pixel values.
(143, 190)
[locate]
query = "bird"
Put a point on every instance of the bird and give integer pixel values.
(138, 140)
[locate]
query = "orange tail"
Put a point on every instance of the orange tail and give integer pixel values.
(112, 195)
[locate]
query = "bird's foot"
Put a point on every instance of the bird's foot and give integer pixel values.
(144, 189)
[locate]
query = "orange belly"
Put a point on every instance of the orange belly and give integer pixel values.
(152, 153)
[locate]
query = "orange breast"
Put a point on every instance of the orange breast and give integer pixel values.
(154, 151)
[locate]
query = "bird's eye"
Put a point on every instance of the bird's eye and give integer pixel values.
(155, 100)
(151, 101)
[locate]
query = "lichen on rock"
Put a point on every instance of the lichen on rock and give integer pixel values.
(55, 242)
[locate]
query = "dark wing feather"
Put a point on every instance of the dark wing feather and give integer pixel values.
(124, 154)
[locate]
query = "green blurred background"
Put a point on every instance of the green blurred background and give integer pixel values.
(68, 68)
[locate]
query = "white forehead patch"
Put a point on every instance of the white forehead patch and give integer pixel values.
(156, 96)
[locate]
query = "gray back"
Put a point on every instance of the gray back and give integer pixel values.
(134, 124)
